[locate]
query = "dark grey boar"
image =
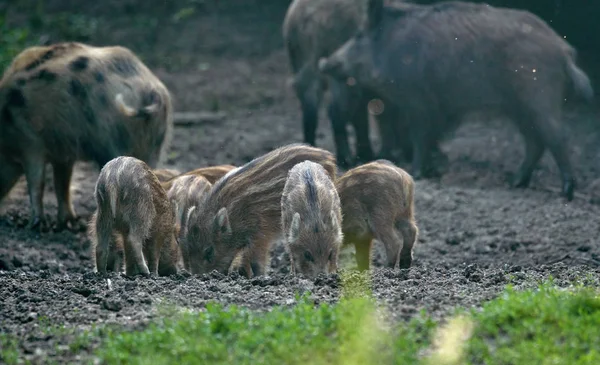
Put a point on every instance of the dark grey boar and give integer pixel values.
(184, 192)
(211, 173)
(377, 202)
(311, 219)
(71, 102)
(134, 208)
(313, 29)
(439, 62)
(242, 212)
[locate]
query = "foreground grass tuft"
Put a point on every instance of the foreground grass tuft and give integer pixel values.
(543, 326)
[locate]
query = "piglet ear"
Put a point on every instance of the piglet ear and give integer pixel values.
(294, 228)
(184, 219)
(222, 222)
(374, 13)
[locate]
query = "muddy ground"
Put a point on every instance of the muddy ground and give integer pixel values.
(477, 234)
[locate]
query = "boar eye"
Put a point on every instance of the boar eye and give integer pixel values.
(308, 256)
(209, 253)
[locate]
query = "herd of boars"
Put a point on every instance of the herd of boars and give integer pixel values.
(419, 68)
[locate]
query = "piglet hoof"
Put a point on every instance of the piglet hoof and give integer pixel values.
(568, 189)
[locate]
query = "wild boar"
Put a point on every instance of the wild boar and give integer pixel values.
(311, 219)
(211, 173)
(165, 175)
(133, 206)
(439, 62)
(71, 102)
(313, 29)
(377, 202)
(242, 212)
(184, 192)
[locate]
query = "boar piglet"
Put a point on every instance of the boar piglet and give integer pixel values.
(242, 212)
(311, 219)
(133, 206)
(184, 192)
(377, 201)
(211, 173)
(440, 62)
(71, 102)
(165, 175)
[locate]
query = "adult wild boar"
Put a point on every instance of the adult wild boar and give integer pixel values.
(313, 29)
(71, 102)
(439, 62)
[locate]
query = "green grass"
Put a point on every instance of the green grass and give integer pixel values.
(543, 326)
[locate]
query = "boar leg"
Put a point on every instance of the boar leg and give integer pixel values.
(151, 250)
(10, 172)
(115, 255)
(104, 241)
(549, 129)
(408, 230)
(360, 122)
(421, 164)
(35, 171)
(338, 116)
(62, 182)
(256, 258)
(534, 149)
(392, 243)
(362, 246)
(134, 258)
(309, 93)
(394, 135)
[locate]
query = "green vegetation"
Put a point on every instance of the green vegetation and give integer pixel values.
(543, 326)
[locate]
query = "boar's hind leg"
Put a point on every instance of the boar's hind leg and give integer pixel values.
(62, 182)
(134, 257)
(103, 240)
(392, 243)
(409, 232)
(534, 149)
(10, 172)
(35, 170)
(309, 93)
(549, 129)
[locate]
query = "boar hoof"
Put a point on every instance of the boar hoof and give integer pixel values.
(521, 181)
(38, 224)
(568, 189)
(71, 224)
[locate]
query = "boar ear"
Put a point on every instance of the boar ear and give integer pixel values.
(294, 228)
(374, 13)
(222, 221)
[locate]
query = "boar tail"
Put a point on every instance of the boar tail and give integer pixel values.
(112, 198)
(129, 111)
(580, 81)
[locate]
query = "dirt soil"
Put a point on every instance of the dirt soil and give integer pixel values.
(477, 234)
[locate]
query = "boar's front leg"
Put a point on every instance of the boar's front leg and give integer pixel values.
(421, 163)
(62, 182)
(338, 116)
(360, 122)
(534, 149)
(35, 171)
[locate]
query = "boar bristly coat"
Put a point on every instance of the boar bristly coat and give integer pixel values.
(439, 62)
(133, 206)
(71, 102)
(242, 212)
(184, 193)
(311, 219)
(211, 173)
(377, 202)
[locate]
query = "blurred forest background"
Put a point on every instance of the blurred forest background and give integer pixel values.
(159, 29)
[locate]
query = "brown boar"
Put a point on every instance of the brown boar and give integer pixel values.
(242, 212)
(377, 202)
(165, 175)
(184, 192)
(71, 102)
(133, 206)
(311, 219)
(211, 173)
(316, 28)
(439, 62)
